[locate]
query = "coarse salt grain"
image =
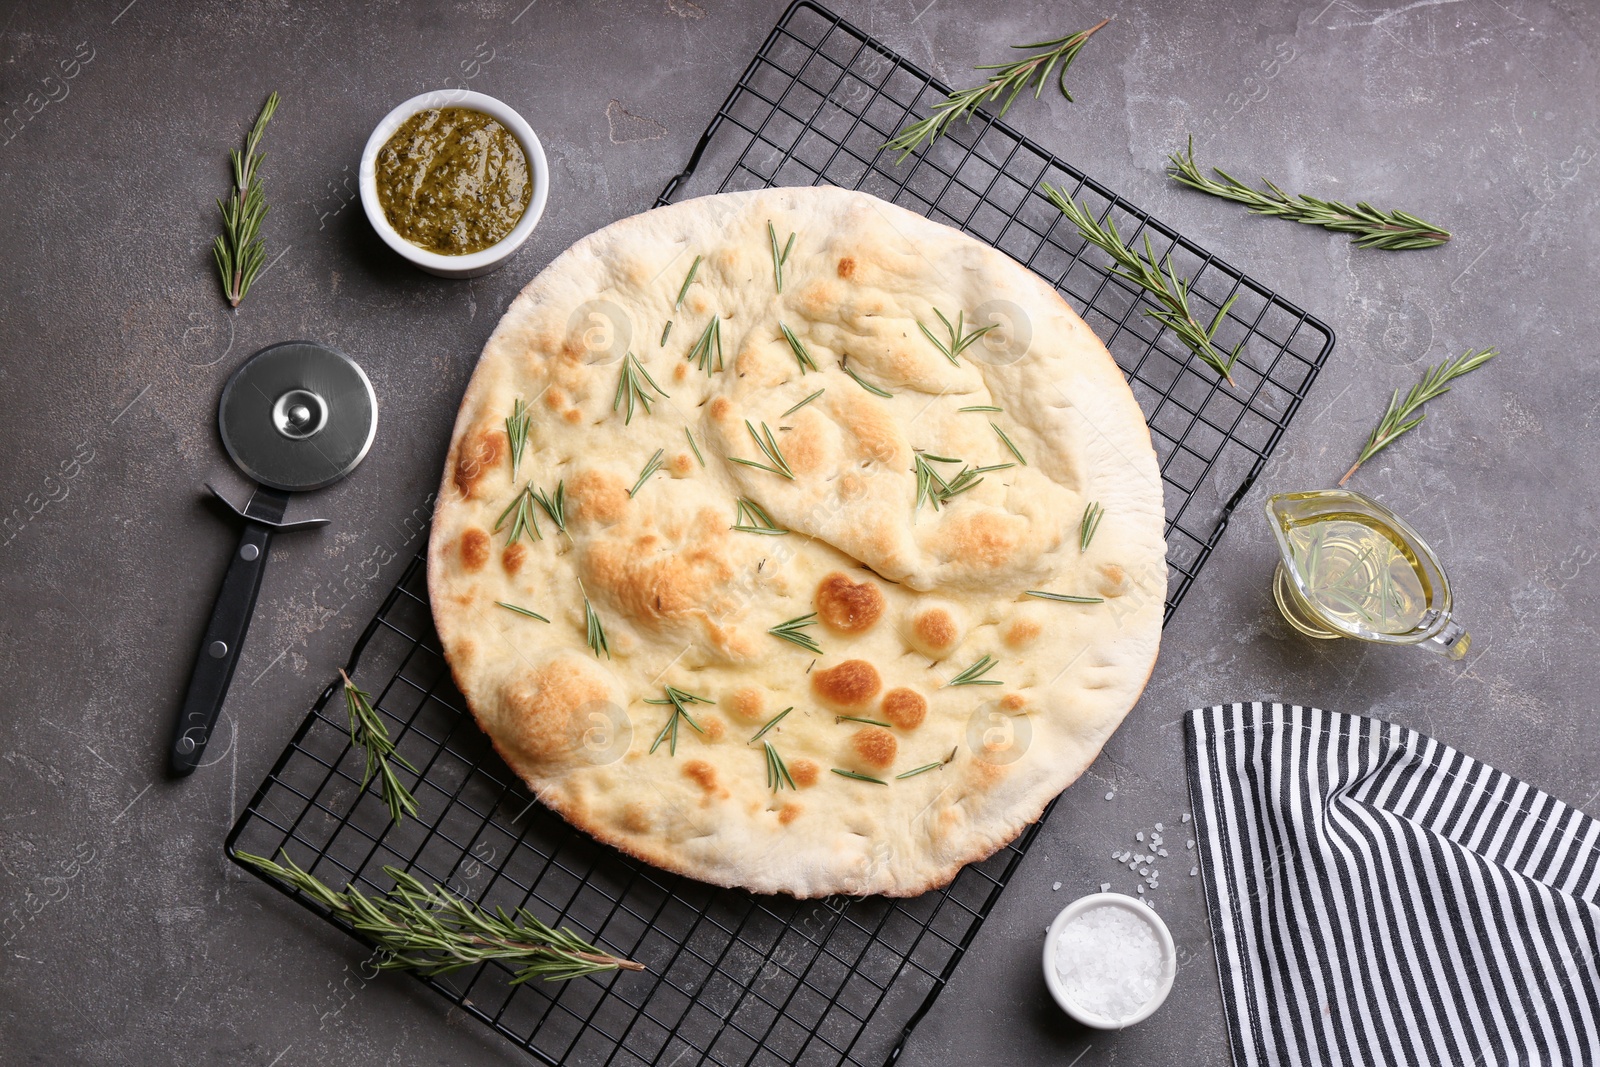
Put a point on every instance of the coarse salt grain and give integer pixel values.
(1110, 795)
(1193, 871)
(1158, 826)
(1141, 890)
(1056, 887)
(1190, 844)
(1109, 962)
(1139, 836)
(1186, 817)
(1105, 887)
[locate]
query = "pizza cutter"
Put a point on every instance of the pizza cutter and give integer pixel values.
(295, 416)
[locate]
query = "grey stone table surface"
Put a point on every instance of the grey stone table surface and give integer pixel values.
(128, 938)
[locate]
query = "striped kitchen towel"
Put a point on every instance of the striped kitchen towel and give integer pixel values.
(1378, 898)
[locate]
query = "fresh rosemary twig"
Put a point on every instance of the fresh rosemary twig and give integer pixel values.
(777, 772)
(932, 486)
(794, 632)
(596, 633)
(1406, 414)
(1012, 79)
(958, 341)
(553, 504)
(1065, 598)
(769, 448)
(690, 435)
(651, 465)
(927, 767)
(779, 258)
(517, 433)
(680, 702)
(1159, 280)
(687, 280)
(770, 724)
(520, 610)
(1007, 441)
(797, 346)
(1392, 231)
(666, 331)
(856, 718)
(981, 407)
(859, 777)
(525, 521)
(750, 517)
(433, 931)
(974, 675)
(802, 403)
(630, 386)
(868, 386)
(239, 250)
(707, 352)
(368, 733)
(1092, 514)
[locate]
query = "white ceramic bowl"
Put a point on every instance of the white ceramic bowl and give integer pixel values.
(475, 263)
(1169, 958)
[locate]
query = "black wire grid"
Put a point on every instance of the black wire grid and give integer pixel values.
(734, 978)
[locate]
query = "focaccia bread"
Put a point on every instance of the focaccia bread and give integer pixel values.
(752, 597)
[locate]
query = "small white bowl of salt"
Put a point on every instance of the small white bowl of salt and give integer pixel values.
(1109, 960)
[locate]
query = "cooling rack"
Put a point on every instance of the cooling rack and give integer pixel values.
(733, 978)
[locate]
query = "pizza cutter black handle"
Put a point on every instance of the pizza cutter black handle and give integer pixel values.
(219, 649)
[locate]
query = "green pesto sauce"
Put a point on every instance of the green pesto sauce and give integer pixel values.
(453, 180)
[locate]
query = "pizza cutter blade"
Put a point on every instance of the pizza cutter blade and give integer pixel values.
(295, 416)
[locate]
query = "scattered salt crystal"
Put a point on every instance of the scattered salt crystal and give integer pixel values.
(1143, 871)
(1141, 890)
(1110, 795)
(1158, 826)
(1190, 844)
(1161, 852)
(1154, 883)
(1154, 873)
(1109, 962)
(1056, 887)
(1155, 839)
(1139, 836)
(1186, 817)
(1193, 871)
(1105, 887)
(1133, 865)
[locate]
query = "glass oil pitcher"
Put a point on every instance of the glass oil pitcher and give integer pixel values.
(1350, 567)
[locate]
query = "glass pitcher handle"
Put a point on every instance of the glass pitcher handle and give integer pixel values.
(1452, 640)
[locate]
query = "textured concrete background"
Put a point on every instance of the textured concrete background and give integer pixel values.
(129, 939)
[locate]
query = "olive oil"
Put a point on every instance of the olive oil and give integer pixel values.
(1360, 572)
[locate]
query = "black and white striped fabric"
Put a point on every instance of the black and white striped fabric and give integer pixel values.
(1378, 898)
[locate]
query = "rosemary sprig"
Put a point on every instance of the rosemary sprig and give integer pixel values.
(793, 631)
(750, 517)
(958, 341)
(517, 433)
(798, 347)
(779, 258)
(769, 448)
(1092, 514)
(932, 486)
(868, 386)
(981, 407)
(859, 777)
(1392, 231)
(687, 280)
(696, 448)
(802, 403)
(707, 351)
(239, 249)
(433, 931)
(680, 702)
(974, 675)
(630, 387)
(1012, 79)
(596, 633)
(926, 767)
(553, 504)
(524, 521)
(777, 771)
(666, 331)
(1065, 598)
(1406, 414)
(770, 724)
(856, 718)
(651, 465)
(1159, 280)
(368, 733)
(520, 610)
(1007, 441)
